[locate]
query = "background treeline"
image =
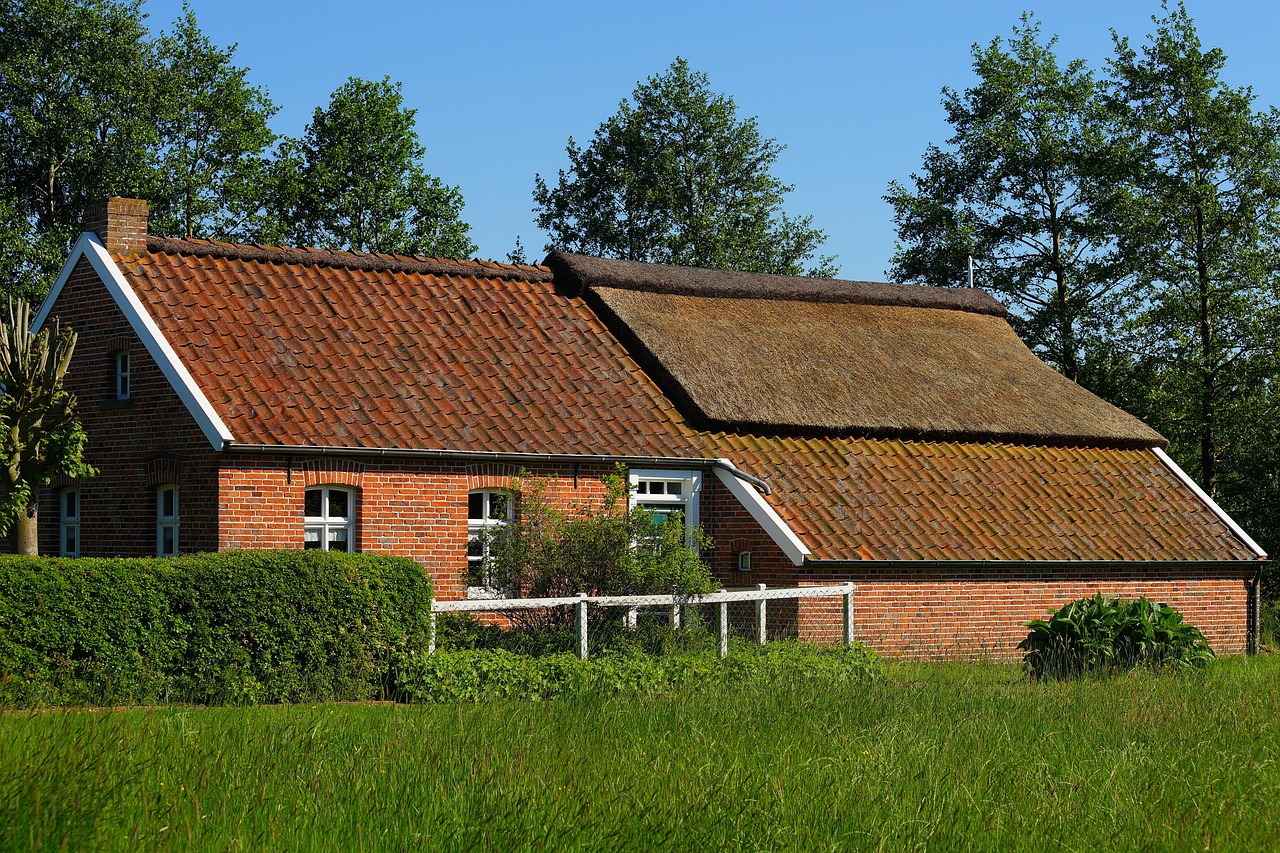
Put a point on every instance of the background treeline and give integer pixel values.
(93, 104)
(1130, 219)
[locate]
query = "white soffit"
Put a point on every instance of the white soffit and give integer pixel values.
(88, 246)
(779, 531)
(1209, 502)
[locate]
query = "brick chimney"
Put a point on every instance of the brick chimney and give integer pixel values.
(120, 223)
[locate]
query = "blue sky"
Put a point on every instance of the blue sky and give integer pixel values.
(851, 88)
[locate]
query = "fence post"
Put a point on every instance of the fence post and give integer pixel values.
(722, 627)
(629, 618)
(580, 622)
(431, 635)
(675, 613)
(848, 614)
(760, 618)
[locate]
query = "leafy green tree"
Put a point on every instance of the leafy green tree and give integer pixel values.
(1200, 224)
(675, 177)
(75, 124)
(40, 432)
(355, 180)
(1025, 188)
(213, 134)
(600, 547)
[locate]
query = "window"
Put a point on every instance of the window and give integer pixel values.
(122, 375)
(69, 511)
(488, 511)
(744, 561)
(329, 519)
(166, 521)
(665, 493)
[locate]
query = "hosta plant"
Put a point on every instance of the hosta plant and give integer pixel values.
(1105, 634)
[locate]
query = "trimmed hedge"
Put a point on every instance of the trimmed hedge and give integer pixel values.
(480, 675)
(226, 627)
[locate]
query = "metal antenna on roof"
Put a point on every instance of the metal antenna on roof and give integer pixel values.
(971, 270)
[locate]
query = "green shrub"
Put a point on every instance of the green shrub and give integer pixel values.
(234, 626)
(1104, 634)
(478, 675)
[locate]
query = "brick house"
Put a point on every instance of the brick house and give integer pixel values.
(900, 437)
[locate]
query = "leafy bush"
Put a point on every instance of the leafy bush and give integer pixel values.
(479, 675)
(599, 547)
(1104, 634)
(235, 626)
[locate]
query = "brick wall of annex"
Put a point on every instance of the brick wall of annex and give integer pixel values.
(139, 444)
(411, 508)
(974, 614)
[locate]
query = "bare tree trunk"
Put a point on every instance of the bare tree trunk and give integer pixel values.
(26, 533)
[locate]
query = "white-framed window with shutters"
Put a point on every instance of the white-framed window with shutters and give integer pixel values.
(69, 522)
(488, 511)
(667, 494)
(122, 374)
(329, 519)
(167, 520)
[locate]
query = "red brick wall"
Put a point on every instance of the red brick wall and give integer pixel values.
(413, 508)
(137, 444)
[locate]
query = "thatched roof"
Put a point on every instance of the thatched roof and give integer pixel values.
(791, 355)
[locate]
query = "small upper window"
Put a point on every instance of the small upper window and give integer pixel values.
(329, 519)
(488, 511)
(122, 375)
(664, 494)
(167, 521)
(69, 511)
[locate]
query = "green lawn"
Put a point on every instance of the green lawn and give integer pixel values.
(944, 757)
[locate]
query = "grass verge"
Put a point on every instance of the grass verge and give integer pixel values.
(944, 756)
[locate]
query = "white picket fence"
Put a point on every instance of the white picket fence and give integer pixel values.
(677, 604)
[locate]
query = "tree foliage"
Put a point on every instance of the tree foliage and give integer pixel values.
(213, 134)
(1025, 188)
(600, 547)
(1200, 226)
(675, 177)
(75, 124)
(40, 433)
(355, 180)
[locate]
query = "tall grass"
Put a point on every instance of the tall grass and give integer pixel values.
(942, 756)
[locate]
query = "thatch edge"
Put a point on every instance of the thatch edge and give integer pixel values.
(575, 274)
(348, 260)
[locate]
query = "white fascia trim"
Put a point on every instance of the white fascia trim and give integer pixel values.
(146, 329)
(1209, 502)
(779, 531)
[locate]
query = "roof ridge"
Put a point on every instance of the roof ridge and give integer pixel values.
(372, 262)
(587, 273)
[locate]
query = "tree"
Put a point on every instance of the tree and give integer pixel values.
(75, 123)
(1026, 189)
(213, 134)
(675, 177)
(40, 433)
(1201, 226)
(354, 180)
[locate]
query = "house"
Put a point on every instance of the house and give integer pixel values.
(900, 437)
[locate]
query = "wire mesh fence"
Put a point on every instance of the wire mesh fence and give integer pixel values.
(586, 624)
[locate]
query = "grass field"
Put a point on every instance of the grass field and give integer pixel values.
(945, 756)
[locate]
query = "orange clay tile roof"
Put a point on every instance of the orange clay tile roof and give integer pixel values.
(300, 348)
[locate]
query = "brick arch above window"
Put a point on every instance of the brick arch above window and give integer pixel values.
(63, 481)
(333, 472)
(163, 470)
(491, 475)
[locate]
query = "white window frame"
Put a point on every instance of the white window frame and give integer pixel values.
(168, 520)
(477, 528)
(324, 524)
(122, 374)
(687, 500)
(69, 522)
